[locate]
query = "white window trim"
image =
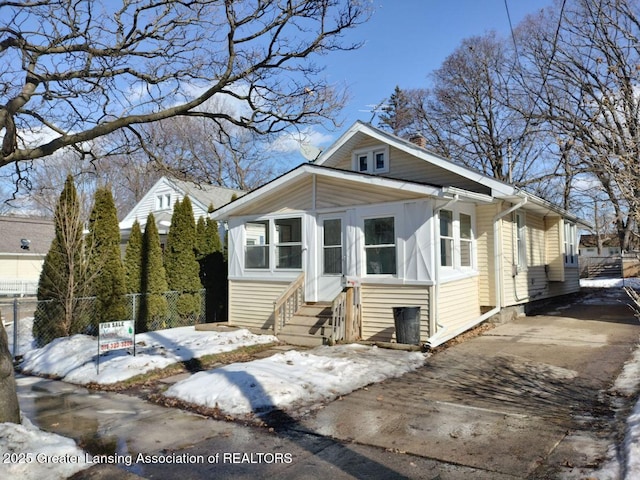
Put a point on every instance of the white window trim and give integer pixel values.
(520, 242)
(447, 273)
(570, 240)
(272, 245)
(370, 153)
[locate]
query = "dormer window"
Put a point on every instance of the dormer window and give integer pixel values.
(371, 160)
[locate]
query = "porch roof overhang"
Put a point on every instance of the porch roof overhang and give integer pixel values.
(374, 181)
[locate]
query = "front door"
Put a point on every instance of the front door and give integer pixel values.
(332, 256)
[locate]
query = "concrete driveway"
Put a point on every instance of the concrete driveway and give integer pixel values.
(526, 399)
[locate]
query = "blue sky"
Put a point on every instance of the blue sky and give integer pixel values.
(405, 40)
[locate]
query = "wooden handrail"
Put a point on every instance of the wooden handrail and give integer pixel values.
(294, 290)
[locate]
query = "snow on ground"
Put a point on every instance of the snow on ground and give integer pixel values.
(25, 336)
(624, 460)
(74, 359)
(293, 380)
(32, 454)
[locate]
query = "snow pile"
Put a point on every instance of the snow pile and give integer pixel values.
(25, 336)
(29, 453)
(74, 359)
(293, 380)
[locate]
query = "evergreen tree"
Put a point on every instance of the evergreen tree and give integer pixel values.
(153, 281)
(108, 281)
(133, 259)
(397, 115)
(63, 278)
(183, 270)
(213, 268)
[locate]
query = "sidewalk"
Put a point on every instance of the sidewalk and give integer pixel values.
(523, 400)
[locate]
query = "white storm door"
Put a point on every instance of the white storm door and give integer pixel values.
(331, 234)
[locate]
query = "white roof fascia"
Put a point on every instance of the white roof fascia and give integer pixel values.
(476, 197)
(309, 169)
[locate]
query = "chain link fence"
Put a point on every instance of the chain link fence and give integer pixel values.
(18, 314)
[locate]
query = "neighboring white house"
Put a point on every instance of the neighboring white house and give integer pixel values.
(24, 242)
(609, 245)
(402, 227)
(161, 198)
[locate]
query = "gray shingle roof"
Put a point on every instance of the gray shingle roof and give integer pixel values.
(38, 231)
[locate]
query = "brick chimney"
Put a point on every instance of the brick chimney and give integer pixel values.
(418, 139)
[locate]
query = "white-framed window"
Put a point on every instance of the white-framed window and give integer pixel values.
(466, 241)
(446, 238)
(256, 253)
(521, 240)
(371, 160)
(280, 239)
(288, 242)
(457, 238)
(570, 242)
(380, 246)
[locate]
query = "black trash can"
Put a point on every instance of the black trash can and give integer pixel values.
(407, 322)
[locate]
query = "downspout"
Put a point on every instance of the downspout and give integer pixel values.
(439, 329)
(435, 340)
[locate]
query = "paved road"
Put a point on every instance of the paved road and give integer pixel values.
(527, 399)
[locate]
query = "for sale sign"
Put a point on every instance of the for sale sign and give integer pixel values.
(116, 335)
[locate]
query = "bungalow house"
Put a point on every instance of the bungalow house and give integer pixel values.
(24, 242)
(161, 198)
(378, 222)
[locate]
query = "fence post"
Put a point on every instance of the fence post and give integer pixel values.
(15, 327)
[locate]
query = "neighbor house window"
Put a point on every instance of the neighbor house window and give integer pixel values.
(570, 244)
(163, 201)
(288, 242)
(256, 253)
(375, 160)
(446, 238)
(380, 246)
(521, 240)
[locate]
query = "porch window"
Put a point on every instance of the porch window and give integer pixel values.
(446, 238)
(570, 258)
(288, 242)
(466, 240)
(332, 247)
(256, 253)
(380, 246)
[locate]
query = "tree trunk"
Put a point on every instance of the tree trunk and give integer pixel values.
(9, 408)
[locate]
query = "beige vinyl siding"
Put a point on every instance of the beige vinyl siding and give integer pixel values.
(485, 252)
(402, 165)
(571, 283)
(21, 267)
(554, 248)
(377, 314)
(458, 303)
(251, 303)
(299, 196)
(341, 193)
